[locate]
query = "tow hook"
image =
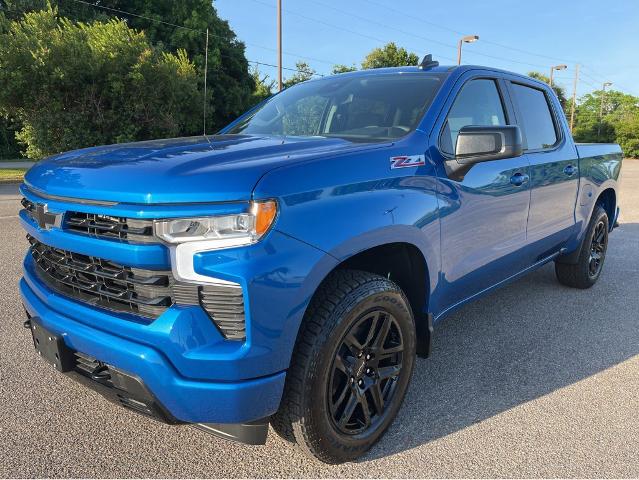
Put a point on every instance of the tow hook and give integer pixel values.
(101, 374)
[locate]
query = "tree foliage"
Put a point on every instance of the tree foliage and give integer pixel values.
(339, 68)
(264, 86)
(229, 80)
(72, 85)
(559, 91)
(619, 121)
(390, 55)
(304, 72)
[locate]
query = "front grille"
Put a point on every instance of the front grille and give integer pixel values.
(102, 226)
(225, 306)
(103, 283)
(107, 226)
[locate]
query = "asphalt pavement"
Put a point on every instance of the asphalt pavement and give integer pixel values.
(535, 380)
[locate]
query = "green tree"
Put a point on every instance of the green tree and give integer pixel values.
(339, 68)
(619, 120)
(229, 80)
(74, 85)
(9, 148)
(559, 91)
(390, 55)
(264, 86)
(304, 72)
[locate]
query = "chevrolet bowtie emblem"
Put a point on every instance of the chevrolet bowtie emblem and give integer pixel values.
(46, 219)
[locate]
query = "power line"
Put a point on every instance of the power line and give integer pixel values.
(140, 16)
(405, 32)
(322, 22)
(203, 32)
(388, 27)
(123, 12)
(443, 27)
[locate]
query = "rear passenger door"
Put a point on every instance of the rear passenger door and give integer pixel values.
(554, 169)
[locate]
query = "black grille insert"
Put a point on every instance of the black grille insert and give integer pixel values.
(225, 305)
(107, 226)
(101, 282)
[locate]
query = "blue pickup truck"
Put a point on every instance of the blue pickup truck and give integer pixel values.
(289, 269)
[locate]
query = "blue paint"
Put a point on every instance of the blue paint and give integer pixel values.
(336, 198)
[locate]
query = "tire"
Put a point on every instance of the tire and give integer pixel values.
(356, 345)
(587, 270)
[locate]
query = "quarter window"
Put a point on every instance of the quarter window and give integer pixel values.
(535, 117)
(478, 103)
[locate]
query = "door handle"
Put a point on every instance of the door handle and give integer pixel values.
(570, 170)
(518, 179)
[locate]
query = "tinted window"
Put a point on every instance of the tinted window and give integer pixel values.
(478, 103)
(536, 119)
(364, 107)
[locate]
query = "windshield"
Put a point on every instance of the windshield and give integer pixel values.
(363, 107)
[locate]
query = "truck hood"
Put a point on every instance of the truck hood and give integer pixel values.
(193, 169)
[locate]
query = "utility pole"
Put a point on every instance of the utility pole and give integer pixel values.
(279, 45)
(574, 98)
(206, 67)
(601, 105)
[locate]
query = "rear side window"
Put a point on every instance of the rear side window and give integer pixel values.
(478, 103)
(536, 119)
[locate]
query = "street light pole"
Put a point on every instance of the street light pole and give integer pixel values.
(601, 105)
(556, 67)
(279, 45)
(466, 39)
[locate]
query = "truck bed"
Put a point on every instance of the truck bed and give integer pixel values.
(586, 150)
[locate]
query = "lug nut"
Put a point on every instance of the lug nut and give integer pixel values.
(368, 357)
(352, 380)
(368, 371)
(361, 383)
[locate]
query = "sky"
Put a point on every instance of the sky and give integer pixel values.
(519, 36)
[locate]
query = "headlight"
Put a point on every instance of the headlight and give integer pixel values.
(221, 231)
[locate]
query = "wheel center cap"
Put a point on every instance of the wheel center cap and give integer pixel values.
(360, 367)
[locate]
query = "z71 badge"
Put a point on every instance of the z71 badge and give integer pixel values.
(405, 161)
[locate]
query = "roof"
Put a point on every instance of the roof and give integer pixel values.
(457, 69)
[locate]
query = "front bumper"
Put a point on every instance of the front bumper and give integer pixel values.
(185, 400)
(181, 357)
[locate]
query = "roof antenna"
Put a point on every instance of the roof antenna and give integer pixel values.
(428, 62)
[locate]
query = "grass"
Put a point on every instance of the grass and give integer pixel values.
(12, 175)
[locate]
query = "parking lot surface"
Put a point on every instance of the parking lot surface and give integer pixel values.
(535, 379)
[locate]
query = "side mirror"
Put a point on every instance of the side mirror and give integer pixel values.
(476, 144)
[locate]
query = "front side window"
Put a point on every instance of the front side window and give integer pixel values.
(363, 107)
(536, 120)
(478, 103)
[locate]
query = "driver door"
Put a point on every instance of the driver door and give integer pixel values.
(484, 214)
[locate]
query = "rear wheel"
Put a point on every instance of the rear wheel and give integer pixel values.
(351, 366)
(587, 270)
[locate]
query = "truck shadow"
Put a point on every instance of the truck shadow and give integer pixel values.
(518, 344)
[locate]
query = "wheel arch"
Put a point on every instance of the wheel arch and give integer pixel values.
(405, 264)
(608, 200)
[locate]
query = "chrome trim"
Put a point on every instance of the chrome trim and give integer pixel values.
(59, 198)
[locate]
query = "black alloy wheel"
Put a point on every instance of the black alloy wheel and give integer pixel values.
(351, 366)
(598, 249)
(365, 372)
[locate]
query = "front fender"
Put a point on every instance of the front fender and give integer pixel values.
(351, 203)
